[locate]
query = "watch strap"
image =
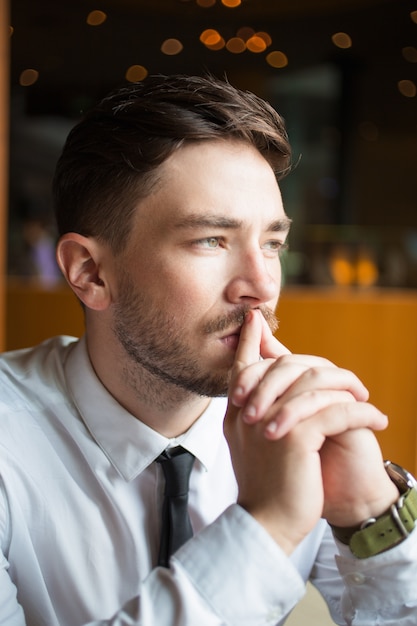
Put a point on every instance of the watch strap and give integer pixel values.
(377, 535)
(387, 530)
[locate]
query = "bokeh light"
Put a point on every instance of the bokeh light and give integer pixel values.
(342, 40)
(28, 77)
(171, 47)
(96, 18)
(136, 73)
(277, 59)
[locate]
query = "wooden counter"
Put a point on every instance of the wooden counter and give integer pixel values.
(373, 332)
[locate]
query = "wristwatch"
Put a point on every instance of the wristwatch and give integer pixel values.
(375, 535)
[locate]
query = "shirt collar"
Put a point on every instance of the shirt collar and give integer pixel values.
(129, 444)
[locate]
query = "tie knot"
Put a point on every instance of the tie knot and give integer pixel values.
(176, 465)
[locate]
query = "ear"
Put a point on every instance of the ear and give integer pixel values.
(81, 261)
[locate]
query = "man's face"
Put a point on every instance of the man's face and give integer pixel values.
(204, 248)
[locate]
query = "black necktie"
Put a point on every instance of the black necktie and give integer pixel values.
(176, 528)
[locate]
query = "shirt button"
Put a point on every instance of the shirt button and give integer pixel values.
(274, 614)
(356, 578)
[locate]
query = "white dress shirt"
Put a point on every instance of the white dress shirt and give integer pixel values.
(80, 500)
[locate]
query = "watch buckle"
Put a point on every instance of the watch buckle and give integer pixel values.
(396, 518)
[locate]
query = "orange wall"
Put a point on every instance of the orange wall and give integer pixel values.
(371, 332)
(374, 333)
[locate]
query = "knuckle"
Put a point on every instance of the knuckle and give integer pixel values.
(284, 359)
(314, 371)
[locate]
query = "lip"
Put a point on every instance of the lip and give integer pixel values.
(231, 340)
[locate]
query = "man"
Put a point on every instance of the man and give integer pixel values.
(171, 225)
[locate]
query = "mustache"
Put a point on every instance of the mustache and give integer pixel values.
(237, 317)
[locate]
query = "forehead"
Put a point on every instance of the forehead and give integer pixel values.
(229, 179)
(217, 157)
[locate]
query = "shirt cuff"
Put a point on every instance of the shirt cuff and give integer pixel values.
(240, 571)
(381, 582)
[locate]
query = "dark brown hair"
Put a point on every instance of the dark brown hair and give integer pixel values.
(110, 159)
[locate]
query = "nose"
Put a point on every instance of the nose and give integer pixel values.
(256, 279)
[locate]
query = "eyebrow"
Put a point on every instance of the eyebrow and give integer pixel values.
(281, 225)
(217, 221)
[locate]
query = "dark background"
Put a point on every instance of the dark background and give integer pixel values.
(353, 195)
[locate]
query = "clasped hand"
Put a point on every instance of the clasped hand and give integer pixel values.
(300, 435)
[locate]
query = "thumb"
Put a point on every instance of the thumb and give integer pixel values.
(270, 347)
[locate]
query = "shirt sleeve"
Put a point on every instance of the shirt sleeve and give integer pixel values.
(213, 581)
(11, 613)
(364, 592)
(381, 589)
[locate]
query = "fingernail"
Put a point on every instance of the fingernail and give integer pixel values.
(272, 428)
(249, 414)
(238, 397)
(250, 315)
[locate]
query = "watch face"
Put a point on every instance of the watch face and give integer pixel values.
(402, 479)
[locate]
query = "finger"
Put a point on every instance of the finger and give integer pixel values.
(291, 376)
(248, 349)
(247, 380)
(250, 380)
(335, 420)
(281, 418)
(247, 353)
(282, 371)
(258, 388)
(340, 418)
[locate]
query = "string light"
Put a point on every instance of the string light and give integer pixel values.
(171, 47)
(342, 40)
(266, 37)
(96, 18)
(212, 39)
(407, 88)
(277, 59)
(236, 45)
(245, 39)
(28, 77)
(136, 73)
(219, 45)
(256, 44)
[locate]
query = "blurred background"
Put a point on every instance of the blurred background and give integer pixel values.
(343, 73)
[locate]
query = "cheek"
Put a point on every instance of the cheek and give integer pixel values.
(177, 284)
(191, 298)
(194, 281)
(185, 297)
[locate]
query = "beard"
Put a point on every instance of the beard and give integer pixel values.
(159, 350)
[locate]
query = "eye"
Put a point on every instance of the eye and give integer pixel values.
(275, 246)
(211, 243)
